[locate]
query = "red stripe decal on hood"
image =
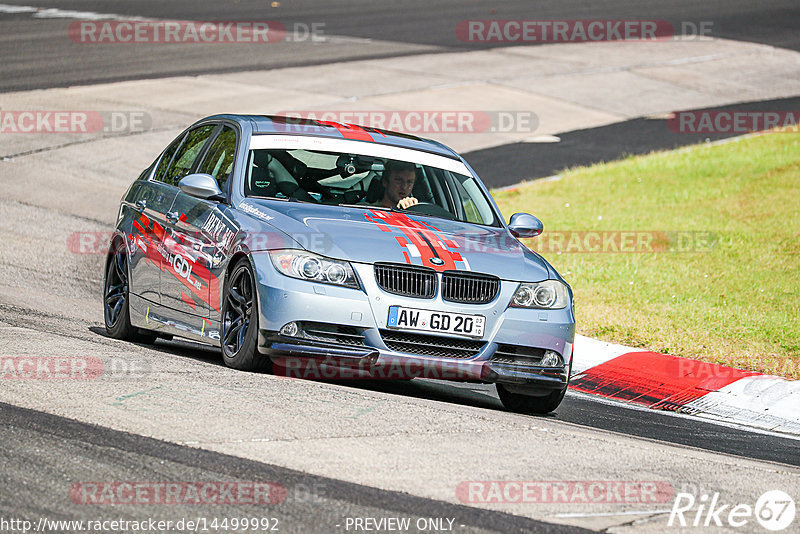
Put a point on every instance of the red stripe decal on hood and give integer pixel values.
(420, 241)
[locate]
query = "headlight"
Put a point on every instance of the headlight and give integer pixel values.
(550, 294)
(310, 266)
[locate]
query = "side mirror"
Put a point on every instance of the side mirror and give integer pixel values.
(201, 186)
(524, 225)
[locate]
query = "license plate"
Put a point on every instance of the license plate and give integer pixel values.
(434, 321)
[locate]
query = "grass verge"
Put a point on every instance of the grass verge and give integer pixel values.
(710, 268)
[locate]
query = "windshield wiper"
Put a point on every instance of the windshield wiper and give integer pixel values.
(283, 199)
(369, 207)
(364, 206)
(267, 198)
(398, 210)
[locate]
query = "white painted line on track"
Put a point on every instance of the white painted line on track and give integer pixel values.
(612, 514)
(766, 402)
(588, 353)
(543, 139)
(8, 8)
(55, 13)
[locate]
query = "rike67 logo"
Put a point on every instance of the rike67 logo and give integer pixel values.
(774, 510)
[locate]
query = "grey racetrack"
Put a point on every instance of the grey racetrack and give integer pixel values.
(374, 448)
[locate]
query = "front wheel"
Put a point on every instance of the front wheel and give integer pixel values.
(528, 404)
(239, 336)
(116, 302)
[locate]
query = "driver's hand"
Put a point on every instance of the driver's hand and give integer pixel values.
(407, 202)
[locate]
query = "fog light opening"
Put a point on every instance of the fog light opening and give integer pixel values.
(290, 329)
(550, 359)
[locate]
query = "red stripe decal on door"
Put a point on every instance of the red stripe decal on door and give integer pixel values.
(188, 300)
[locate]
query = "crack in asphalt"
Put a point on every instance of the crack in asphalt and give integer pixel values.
(48, 273)
(64, 213)
(364, 435)
(636, 521)
(10, 157)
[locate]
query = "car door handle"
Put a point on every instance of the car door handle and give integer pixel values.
(173, 216)
(141, 205)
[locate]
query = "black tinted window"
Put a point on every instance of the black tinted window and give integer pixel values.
(184, 158)
(219, 158)
(168, 153)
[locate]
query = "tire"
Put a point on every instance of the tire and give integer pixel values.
(528, 404)
(239, 335)
(116, 298)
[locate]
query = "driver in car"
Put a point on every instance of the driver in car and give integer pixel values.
(398, 182)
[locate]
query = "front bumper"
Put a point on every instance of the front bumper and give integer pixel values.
(311, 359)
(365, 311)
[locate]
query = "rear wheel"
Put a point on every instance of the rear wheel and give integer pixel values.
(239, 336)
(116, 294)
(528, 404)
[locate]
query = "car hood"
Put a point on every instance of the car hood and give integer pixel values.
(373, 235)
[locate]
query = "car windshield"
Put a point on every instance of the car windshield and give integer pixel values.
(358, 180)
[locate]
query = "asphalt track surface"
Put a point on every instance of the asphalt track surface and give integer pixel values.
(502, 166)
(37, 52)
(587, 411)
(42, 455)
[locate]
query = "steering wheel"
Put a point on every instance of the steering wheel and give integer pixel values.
(354, 196)
(429, 208)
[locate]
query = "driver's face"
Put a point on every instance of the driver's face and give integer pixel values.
(399, 185)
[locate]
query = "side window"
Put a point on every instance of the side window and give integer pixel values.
(219, 158)
(468, 205)
(164, 163)
(143, 175)
(184, 158)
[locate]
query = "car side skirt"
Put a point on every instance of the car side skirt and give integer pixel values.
(162, 320)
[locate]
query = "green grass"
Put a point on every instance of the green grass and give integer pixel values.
(736, 302)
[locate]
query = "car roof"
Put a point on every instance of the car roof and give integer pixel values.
(280, 125)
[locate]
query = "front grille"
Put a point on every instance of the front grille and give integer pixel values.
(406, 280)
(517, 354)
(332, 333)
(427, 345)
(469, 288)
